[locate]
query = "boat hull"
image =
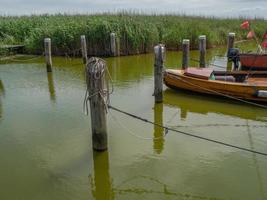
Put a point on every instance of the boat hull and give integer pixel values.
(253, 61)
(177, 80)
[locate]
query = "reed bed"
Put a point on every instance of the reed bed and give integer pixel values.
(136, 33)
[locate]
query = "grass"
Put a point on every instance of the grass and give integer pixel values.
(136, 33)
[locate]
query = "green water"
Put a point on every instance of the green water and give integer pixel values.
(46, 150)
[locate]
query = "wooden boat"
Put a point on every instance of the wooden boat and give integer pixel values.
(253, 61)
(234, 84)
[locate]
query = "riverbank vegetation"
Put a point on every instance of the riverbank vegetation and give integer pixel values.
(136, 33)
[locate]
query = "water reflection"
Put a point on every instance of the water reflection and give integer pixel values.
(158, 142)
(255, 160)
(202, 104)
(51, 87)
(127, 69)
(102, 184)
(2, 93)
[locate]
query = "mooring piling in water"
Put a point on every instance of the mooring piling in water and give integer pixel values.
(95, 80)
(230, 44)
(84, 48)
(202, 50)
(113, 46)
(185, 49)
(159, 51)
(231, 40)
(48, 58)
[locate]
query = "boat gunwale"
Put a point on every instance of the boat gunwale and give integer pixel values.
(244, 84)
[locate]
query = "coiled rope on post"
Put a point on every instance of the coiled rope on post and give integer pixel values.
(96, 64)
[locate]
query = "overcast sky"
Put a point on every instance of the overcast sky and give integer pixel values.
(225, 8)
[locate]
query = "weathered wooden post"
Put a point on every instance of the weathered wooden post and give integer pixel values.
(95, 79)
(185, 49)
(230, 44)
(113, 48)
(84, 48)
(158, 72)
(202, 50)
(48, 58)
(231, 40)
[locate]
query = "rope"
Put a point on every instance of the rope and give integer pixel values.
(225, 95)
(135, 135)
(186, 133)
(97, 68)
(219, 66)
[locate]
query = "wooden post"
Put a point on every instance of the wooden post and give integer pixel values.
(48, 58)
(95, 79)
(84, 49)
(158, 72)
(202, 51)
(231, 40)
(113, 44)
(185, 48)
(230, 44)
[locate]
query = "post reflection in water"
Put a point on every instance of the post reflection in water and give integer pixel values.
(102, 184)
(158, 144)
(183, 114)
(51, 87)
(2, 93)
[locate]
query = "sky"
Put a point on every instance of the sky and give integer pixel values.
(218, 8)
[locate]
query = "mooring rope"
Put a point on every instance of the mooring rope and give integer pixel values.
(186, 133)
(219, 66)
(105, 93)
(134, 134)
(224, 95)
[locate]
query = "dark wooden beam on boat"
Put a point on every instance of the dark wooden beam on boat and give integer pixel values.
(240, 72)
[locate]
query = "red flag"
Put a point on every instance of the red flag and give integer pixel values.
(250, 35)
(264, 44)
(245, 25)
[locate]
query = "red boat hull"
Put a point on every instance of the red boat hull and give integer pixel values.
(253, 61)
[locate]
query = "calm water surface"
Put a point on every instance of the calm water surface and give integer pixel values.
(46, 150)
